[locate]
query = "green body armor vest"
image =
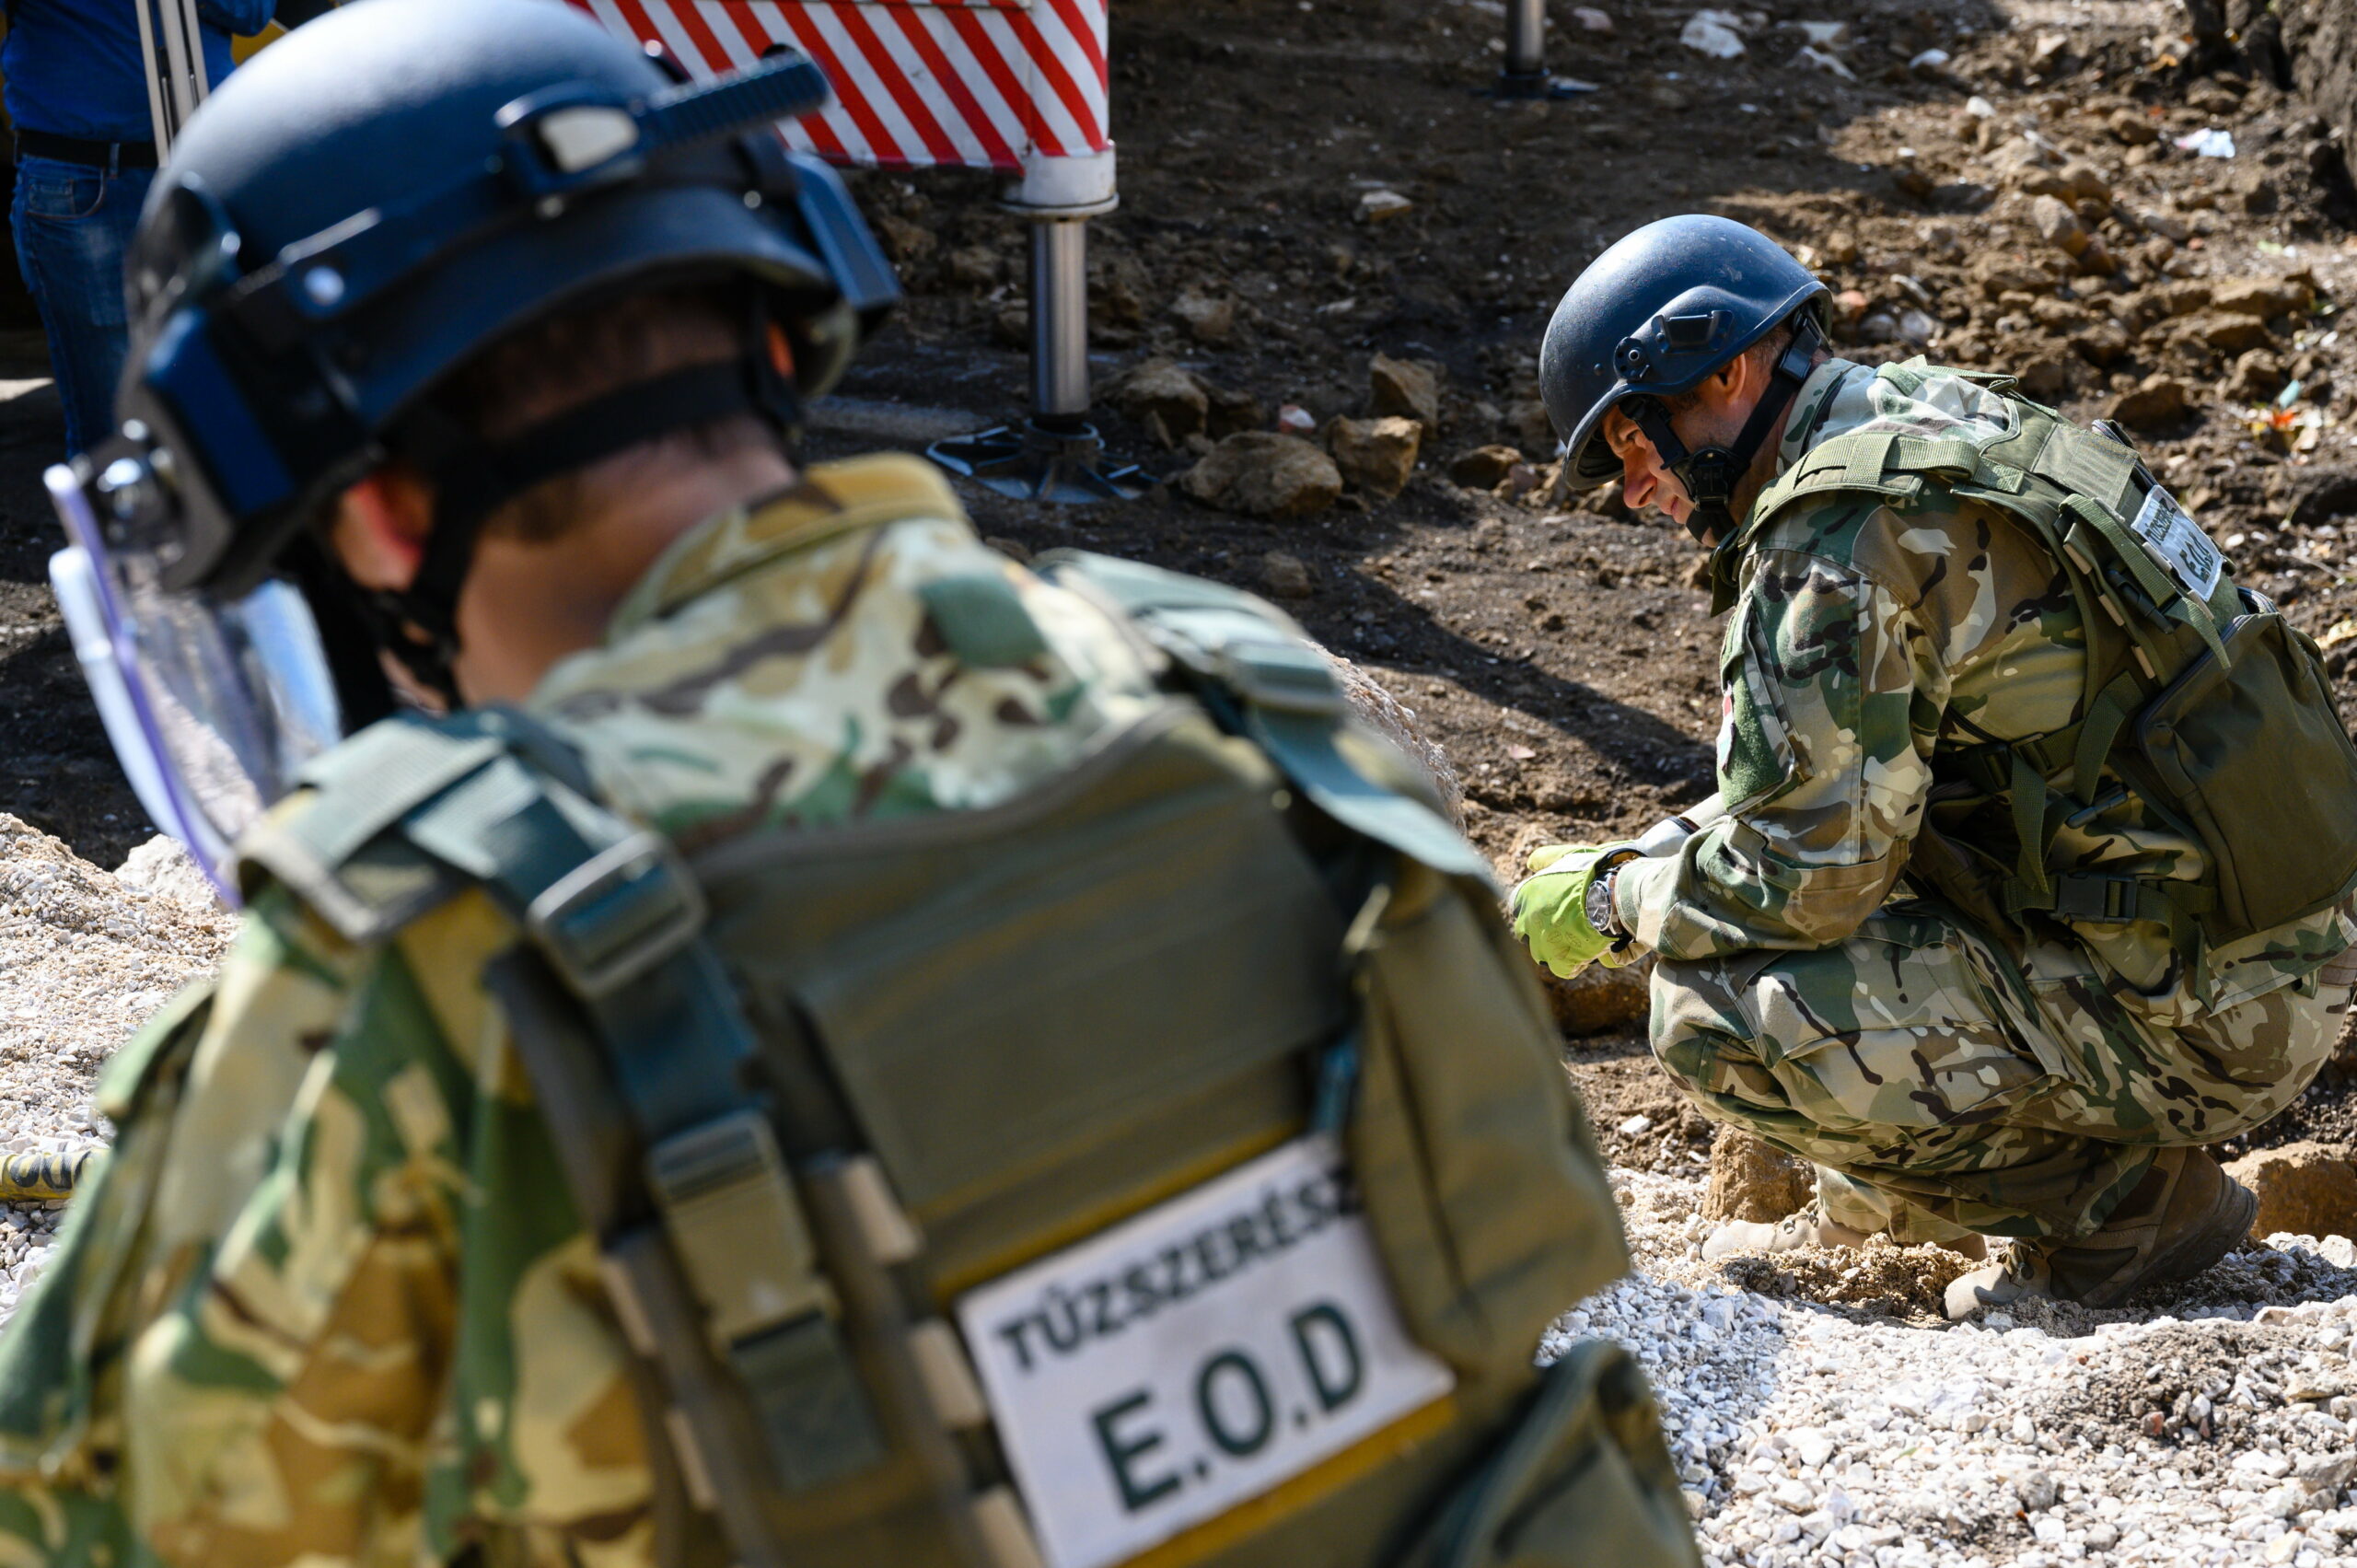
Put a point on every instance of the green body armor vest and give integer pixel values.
(2201, 703)
(818, 1094)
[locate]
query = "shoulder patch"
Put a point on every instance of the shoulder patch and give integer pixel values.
(1756, 759)
(983, 619)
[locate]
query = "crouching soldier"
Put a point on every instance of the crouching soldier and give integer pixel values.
(801, 1041)
(2040, 829)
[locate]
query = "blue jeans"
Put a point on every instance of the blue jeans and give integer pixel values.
(73, 224)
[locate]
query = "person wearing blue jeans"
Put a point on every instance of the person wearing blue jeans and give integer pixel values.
(77, 95)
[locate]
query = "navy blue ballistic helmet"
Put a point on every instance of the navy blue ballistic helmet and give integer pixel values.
(1653, 317)
(392, 188)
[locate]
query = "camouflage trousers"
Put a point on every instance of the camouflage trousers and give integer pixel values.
(1942, 1085)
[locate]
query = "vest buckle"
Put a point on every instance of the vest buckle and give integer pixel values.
(618, 915)
(2096, 900)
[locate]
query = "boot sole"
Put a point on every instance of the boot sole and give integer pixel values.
(2228, 1224)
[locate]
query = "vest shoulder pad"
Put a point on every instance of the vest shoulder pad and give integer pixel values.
(337, 843)
(1280, 686)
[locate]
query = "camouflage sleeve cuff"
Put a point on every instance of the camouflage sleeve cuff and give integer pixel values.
(1725, 891)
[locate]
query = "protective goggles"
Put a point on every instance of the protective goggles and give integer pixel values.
(213, 705)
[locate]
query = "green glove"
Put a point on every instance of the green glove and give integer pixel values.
(1550, 906)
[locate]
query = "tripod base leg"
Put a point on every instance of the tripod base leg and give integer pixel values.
(1031, 462)
(1530, 84)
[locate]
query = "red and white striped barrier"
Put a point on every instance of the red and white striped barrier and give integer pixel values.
(1018, 85)
(1010, 84)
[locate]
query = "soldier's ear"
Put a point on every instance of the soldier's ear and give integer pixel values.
(1737, 384)
(380, 527)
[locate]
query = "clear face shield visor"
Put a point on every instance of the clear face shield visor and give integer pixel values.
(213, 705)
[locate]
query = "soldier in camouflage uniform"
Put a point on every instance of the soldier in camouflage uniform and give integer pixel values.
(1954, 1066)
(263, 1291)
(343, 1294)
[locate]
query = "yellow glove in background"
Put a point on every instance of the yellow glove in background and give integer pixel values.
(1550, 905)
(1546, 855)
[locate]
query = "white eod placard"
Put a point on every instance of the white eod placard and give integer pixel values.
(2177, 541)
(1194, 1356)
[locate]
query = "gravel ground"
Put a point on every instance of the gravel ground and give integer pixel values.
(1820, 1410)
(86, 956)
(1849, 1426)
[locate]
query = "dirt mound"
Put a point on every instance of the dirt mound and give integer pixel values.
(2311, 46)
(1751, 1179)
(2302, 1188)
(84, 957)
(1878, 1279)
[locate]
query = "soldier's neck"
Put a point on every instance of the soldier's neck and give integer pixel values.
(530, 604)
(1766, 464)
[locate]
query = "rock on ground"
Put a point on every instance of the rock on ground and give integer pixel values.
(1265, 474)
(1406, 387)
(1484, 468)
(1598, 999)
(1171, 402)
(162, 868)
(1397, 722)
(1286, 576)
(2304, 1187)
(1375, 454)
(2156, 400)
(1755, 1180)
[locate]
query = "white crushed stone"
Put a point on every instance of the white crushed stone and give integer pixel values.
(1818, 1432)
(86, 956)
(1822, 1417)
(161, 867)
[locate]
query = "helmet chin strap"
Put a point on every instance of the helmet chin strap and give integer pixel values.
(1710, 475)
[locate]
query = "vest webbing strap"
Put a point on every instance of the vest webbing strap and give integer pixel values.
(1261, 676)
(2105, 717)
(2034, 820)
(619, 922)
(1863, 460)
(2094, 899)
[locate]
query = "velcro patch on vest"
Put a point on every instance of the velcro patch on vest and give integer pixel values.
(983, 620)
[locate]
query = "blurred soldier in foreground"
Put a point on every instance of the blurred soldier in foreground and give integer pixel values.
(830, 1049)
(2039, 831)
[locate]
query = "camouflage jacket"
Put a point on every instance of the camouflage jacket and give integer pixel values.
(1862, 644)
(329, 1303)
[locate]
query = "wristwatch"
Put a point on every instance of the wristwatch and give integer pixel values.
(1597, 907)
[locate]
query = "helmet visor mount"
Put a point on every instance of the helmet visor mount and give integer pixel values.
(213, 705)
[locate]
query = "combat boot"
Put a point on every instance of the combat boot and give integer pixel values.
(1808, 1228)
(2185, 1215)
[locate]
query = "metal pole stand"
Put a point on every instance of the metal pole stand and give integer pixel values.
(1524, 75)
(1054, 455)
(172, 48)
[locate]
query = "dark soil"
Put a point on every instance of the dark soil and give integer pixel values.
(1556, 645)
(56, 770)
